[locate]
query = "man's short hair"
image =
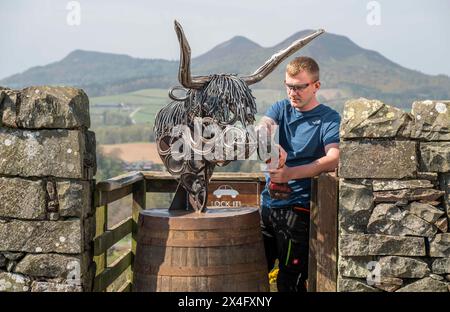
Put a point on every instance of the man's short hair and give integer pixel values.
(303, 63)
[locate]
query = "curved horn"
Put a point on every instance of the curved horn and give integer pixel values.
(278, 57)
(184, 72)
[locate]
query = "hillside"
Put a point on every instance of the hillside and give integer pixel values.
(346, 69)
(99, 73)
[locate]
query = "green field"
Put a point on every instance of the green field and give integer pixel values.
(150, 101)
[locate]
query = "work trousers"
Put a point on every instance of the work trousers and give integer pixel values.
(286, 238)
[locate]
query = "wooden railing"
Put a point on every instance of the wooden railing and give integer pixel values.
(323, 238)
(106, 192)
(137, 184)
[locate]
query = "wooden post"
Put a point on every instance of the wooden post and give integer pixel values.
(139, 195)
(327, 234)
(313, 223)
(101, 219)
(322, 272)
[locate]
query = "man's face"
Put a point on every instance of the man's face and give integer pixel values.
(301, 89)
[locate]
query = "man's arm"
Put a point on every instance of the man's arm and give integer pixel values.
(267, 123)
(329, 162)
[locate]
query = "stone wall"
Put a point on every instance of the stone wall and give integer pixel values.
(394, 203)
(47, 164)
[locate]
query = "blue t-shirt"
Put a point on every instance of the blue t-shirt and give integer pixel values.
(304, 136)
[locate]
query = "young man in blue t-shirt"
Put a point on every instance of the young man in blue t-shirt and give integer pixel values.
(308, 134)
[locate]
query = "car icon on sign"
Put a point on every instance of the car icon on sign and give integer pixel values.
(225, 190)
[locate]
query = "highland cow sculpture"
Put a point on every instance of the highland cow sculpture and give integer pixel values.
(199, 131)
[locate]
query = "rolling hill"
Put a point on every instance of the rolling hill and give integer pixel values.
(347, 70)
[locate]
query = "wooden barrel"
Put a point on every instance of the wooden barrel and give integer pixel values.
(219, 250)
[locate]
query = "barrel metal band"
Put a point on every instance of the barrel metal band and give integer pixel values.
(215, 242)
(195, 224)
(166, 270)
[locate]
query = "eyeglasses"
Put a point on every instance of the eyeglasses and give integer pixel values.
(297, 88)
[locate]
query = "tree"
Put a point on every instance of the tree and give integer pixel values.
(107, 167)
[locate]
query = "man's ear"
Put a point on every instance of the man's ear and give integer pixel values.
(317, 85)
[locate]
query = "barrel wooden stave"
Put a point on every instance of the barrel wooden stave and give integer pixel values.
(220, 252)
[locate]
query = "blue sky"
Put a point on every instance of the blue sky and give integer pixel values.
(413, 33)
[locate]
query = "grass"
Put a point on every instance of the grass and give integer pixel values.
(150, 101)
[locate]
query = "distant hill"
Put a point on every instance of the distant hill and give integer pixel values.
(347, 70)
(99, 73)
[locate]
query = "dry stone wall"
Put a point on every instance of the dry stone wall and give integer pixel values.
(47, 164)
(394, 197)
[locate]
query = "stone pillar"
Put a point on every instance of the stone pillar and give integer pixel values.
(47, 164)
(394, 201)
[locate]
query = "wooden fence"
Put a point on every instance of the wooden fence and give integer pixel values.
(322, 272)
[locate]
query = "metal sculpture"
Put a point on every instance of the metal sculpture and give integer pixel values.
(194, 133)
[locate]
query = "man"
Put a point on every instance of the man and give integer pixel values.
(309, 144)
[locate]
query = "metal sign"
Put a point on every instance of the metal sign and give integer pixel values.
(227, 194)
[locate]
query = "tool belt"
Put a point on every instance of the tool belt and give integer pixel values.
(279, 190)
(300, 209)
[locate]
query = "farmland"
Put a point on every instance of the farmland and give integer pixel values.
(144, 104)
(132, 152)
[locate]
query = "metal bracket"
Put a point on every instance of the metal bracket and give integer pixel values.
(180, 200)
